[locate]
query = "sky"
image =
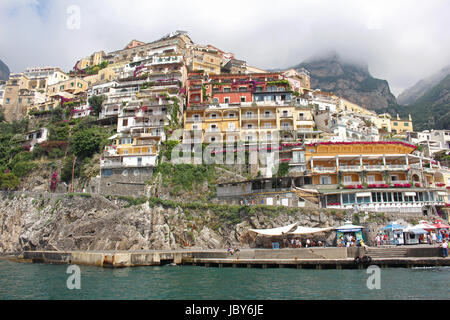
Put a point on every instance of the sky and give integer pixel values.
(402, 41)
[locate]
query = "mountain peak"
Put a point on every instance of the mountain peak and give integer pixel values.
(348, 78)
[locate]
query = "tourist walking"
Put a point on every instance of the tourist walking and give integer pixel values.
(433, 238)
(444, 246)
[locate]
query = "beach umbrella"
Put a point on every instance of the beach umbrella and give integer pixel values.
(440, 225)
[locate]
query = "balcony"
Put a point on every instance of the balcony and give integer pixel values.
(374, 167)
(346, 168)
(268, 116)
(212, 130)
(286, 115)
(249, 117)
(197, 119)
(352, 183)
(287, 128)
(324, 169)
(397, 167)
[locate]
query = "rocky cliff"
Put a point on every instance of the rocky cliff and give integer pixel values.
(43, 221)
(33, 221)
(348, 80)
(4, 71)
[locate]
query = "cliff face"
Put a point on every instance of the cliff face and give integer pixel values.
(4, 71)
(410, 95)
(32, 221)
(432, 109)
(350, 81)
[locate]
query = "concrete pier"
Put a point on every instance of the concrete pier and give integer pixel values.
(303, 258)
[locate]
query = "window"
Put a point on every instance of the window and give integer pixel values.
(370, 179)
(325, 180)
(242, 99)
(397, 196)
(242, 89)
(387, 197)
(406, 124)
(125, 122)
(395, 124)
(107, 172)
(227, 89)
(347, 179)
(72, 84)
(20, 100)
(348, 198)
(363, 199)
(8, 100)
(226, 100)
(377, 197)
(215, 100)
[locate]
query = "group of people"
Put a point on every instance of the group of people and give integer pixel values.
(348, 241)
(298, 243)
(435, 237)
(380, 239)
(231, 251)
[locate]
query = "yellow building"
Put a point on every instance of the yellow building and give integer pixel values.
(206, 59)
(250, 122)
(348, 106)
(401, 125)
(72, 85)
(93, 60)
(106, 74)
(376, 176)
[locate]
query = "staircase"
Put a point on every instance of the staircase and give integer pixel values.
(388, 252)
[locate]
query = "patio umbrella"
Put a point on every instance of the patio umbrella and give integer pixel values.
(440, 225)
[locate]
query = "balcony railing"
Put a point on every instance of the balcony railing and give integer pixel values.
(325, 169)
(249, 117)
(350, 168)
(374, 167)
(352, 183)
(198, 119)
(287, 128)
(397, 167)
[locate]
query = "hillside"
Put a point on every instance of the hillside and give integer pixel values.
(432, 109)
(351, 81)
(410, 95)
(4, 71)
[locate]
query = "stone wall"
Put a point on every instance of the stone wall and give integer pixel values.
(124, 181)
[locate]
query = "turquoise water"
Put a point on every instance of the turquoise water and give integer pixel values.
(43, 281)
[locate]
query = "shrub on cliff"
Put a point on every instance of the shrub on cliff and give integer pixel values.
(89, 141)
(8, 181)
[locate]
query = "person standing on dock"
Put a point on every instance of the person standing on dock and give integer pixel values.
(444, 246)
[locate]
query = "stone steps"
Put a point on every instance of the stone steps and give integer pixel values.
(387, 252)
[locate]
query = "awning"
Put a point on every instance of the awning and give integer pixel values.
(113, 137)
(440, 193)
(410, 194)
(393, 227)
(415, 231)
(363, 194)
(349, 227)
(274, 231)
(306, 230)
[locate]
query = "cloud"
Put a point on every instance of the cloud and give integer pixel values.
(402, 41)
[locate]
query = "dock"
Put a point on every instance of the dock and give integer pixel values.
(302, 258)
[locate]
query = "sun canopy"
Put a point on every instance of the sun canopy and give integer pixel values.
(393, 227)
(414, 230)
(274, 231)
(440, 225)
(306, 230)
(349, 227)
(425, 226)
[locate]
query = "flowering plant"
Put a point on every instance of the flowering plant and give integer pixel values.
(334, 204)
(440, 184)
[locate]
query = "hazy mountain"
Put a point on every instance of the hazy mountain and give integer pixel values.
(4, 71)
(350, 80)
(413, 93)
(432, 109)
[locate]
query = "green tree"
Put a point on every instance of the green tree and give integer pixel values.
(87, 142)
(96, 103)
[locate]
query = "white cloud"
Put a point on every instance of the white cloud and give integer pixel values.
(402, 41)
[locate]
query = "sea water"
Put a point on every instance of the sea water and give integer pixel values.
(47, 281)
